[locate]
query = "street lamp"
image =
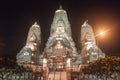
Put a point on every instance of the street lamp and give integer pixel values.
(101, 33)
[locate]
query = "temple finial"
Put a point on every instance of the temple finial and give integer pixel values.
(60, 7)
(85, 23)
(35, 24)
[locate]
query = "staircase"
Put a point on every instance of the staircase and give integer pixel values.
(57, 75)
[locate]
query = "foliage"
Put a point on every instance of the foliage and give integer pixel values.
(9, 68)
(105, 66)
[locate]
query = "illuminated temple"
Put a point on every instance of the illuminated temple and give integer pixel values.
(59, 60)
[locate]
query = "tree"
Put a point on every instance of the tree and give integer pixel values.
(108, 67)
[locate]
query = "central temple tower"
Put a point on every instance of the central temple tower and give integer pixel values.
(60, 47)
(60, 40)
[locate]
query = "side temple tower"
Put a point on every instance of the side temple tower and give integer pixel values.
(31, 50)
(90, 51)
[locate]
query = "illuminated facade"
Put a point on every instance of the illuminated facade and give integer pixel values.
(60, 53)
(31, 50)
(90, 51)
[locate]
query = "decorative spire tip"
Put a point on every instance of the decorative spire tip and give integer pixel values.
(60, 7)
(85, 23)
(35, 24)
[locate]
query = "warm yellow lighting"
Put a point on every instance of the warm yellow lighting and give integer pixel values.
(32, 54)
(58, 45)
(45, 61)
(68, 62)
(101, 33)
(26, 53)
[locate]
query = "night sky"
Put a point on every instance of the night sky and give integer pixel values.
(16, 17)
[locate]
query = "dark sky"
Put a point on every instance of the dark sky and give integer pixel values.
(17, 16)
